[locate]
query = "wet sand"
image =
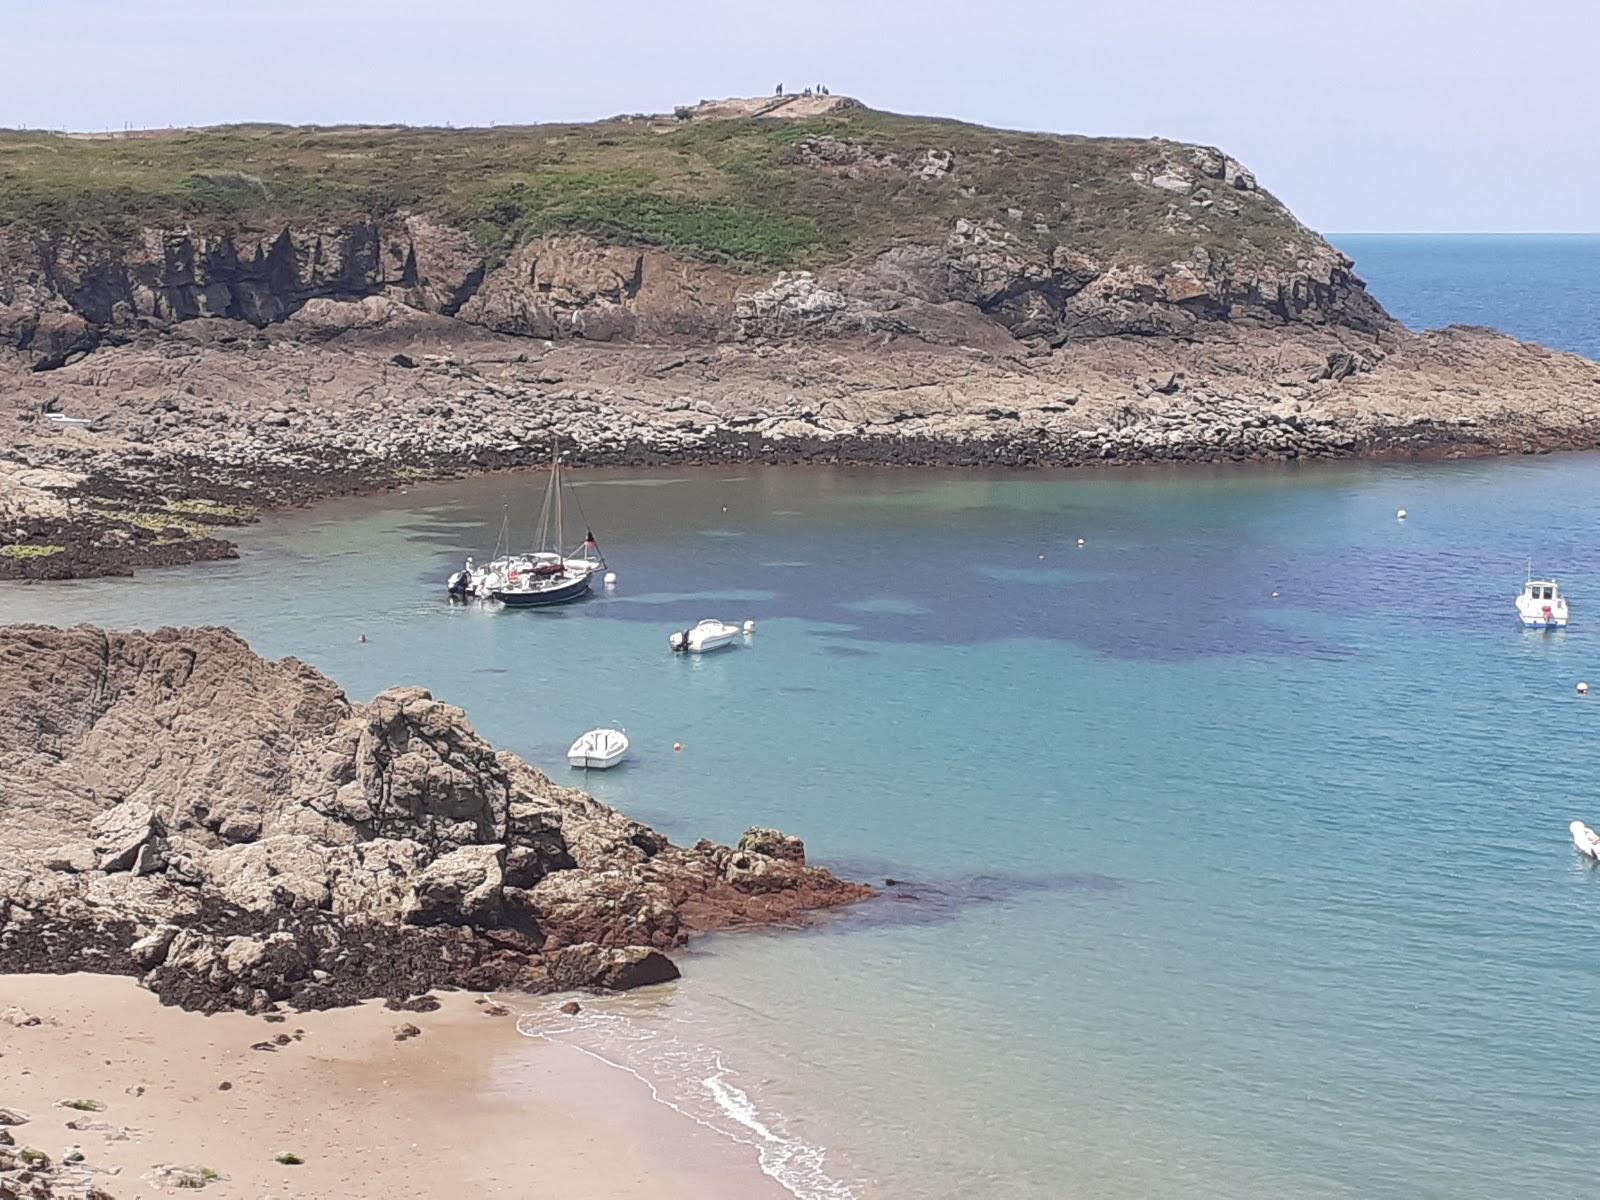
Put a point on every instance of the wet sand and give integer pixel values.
(369, 1115)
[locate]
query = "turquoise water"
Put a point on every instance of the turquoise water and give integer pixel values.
(1214, 893)
(1541, 287)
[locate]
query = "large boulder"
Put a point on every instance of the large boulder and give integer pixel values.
(463, 887)
(615, 968)
(128, 837)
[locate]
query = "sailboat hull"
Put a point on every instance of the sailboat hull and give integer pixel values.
(546, 595)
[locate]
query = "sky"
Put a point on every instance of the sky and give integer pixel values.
(1361, 115)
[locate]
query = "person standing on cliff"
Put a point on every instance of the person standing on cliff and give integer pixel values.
(779, 92)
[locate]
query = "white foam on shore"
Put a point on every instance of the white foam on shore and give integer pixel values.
(692, 1080)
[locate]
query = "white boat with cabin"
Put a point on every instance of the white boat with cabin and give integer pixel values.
(706, 636)
(598, 749)
(1585, 839)
(1541, 605)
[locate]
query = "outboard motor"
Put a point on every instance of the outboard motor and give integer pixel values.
(458, 583)
(678, 641)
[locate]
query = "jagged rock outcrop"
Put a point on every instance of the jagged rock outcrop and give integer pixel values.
(252, 838)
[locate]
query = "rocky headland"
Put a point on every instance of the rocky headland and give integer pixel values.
(236, 318)
(238, 835)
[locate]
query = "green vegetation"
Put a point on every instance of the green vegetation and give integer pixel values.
(179, 520)
(288, 1160)
(209, 1175)
(84, 1105)
(22, 550)
(33, 1158)
(213, 510)
(729, 191)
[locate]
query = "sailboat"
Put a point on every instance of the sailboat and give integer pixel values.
(539, 577)
(550, 575)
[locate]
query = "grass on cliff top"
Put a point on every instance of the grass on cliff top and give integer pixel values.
(727, 191)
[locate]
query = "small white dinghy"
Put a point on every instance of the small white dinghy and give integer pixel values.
(708, 635)
(1585, 839)
(598, 749)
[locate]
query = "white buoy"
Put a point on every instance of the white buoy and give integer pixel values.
(1041, 558)
(1080, 541)
(1274, 595)
(1583, 689)
(749, 626)
(1400, 514)
(611, 579)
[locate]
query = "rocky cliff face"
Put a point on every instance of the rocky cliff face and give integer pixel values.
(970, 237)
(239, 834)
(60, 297)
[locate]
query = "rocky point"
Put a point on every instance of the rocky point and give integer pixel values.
(238, 834)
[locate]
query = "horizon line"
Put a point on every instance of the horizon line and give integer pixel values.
(1333, 233)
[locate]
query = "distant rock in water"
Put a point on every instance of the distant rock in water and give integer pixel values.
(238, 834)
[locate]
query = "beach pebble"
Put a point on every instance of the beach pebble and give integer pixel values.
(572, 1008)
(495, 1010)
(13, 1116)
(224, 1086)
(407, 1030)
(283, 1039)
(72, 1156)
(6, 1139)
(20, 1018)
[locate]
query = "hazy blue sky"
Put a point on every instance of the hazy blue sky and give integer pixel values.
(1360, 114)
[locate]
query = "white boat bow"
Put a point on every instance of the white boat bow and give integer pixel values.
(1585, 839)
(598, 749)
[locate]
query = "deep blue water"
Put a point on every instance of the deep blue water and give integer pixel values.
(1236, 837)
(1539, 287)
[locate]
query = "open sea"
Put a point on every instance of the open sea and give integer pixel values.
(1235, 839)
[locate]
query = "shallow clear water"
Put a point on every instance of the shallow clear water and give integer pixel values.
(1217, 893)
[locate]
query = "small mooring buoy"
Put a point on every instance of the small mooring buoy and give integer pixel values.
(1583, 688)
(677, 745)
(611, 579)
(1274, 595)
(749, 626)
(1080, 541)
(1400, 514)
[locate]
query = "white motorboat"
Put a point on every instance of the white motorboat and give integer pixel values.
(708, 635)
(1541, 605)
(598, 749)
(1585, 839)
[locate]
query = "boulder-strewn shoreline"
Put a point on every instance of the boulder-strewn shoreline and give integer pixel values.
(200, 428)
(238, 835)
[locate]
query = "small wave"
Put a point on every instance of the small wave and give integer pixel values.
(693, 1081)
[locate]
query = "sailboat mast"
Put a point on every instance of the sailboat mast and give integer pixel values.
(555, 482)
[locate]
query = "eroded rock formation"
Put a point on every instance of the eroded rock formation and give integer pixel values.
(238, 834)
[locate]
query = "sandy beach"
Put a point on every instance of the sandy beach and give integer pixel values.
(466, 1107)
